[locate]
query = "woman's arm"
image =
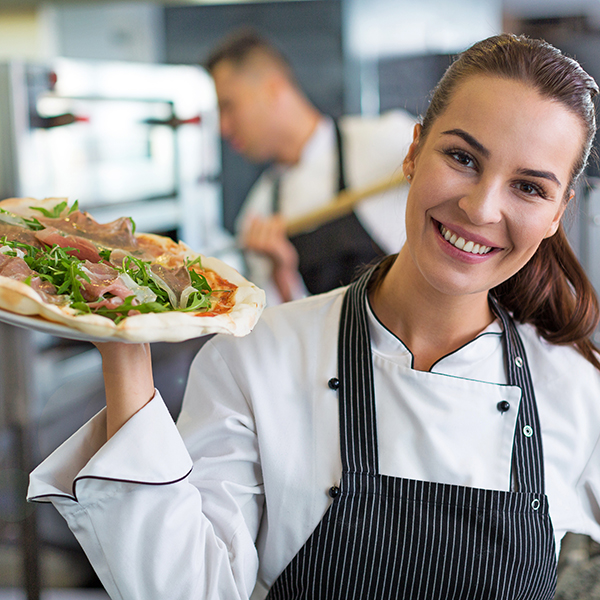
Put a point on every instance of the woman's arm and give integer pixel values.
(128, 381)
(152, 527)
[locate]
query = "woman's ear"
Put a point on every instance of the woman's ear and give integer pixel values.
(408, 166)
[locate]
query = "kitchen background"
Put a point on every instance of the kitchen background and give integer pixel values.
(66, 130)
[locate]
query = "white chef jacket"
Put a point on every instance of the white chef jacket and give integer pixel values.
(373, 147)
(198, 510)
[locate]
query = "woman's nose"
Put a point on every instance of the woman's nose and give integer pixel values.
(482, 203)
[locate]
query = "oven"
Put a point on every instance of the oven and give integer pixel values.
(122, 139)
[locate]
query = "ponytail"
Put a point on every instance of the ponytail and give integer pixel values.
(552, 292)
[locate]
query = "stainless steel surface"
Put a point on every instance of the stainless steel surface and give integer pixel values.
(15, 365)
(56, 594)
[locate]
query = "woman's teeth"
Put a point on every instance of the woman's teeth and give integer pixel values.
(461, 244)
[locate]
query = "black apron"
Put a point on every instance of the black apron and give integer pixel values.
(334, 253)
(385, 537)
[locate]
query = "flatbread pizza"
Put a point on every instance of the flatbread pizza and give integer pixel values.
(106, 281)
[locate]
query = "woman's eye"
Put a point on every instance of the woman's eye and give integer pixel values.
(530, 189)
(462, 158)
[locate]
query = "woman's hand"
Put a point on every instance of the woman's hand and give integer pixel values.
(267, 236)
(128, 381)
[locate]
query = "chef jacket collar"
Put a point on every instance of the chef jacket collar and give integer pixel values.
(486, 347)
(320, 138)
(313, 148)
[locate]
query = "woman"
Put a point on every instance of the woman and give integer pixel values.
(465, 442)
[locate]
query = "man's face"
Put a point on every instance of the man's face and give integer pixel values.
(246, 108)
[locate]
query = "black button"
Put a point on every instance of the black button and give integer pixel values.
(503, 406)
(334, 491)
(334, 383)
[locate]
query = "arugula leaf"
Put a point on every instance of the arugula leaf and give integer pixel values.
(197, 302)
(190, 263)
(54, 213)
(54, 265)
(139, 271)
(200, 282)
(118, 313)
(105, 254)
(74, 207)
(13, 219)
(65, 272)
(33, 223)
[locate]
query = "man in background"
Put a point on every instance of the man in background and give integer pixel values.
(265, 116)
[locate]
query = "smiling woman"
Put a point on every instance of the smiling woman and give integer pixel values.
(464, 442)
(492, 172)
(552, 291)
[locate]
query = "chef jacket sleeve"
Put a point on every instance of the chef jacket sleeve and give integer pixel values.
(154, 522)
(588, 489)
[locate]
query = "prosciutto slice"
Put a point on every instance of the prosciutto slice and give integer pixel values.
(116, 234)
(103, 279)
(87, 237)
(16, 268)
(173, 281)
(81, 248)
(112, 302)
(19, 234)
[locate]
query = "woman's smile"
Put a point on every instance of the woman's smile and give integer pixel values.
(488, 184)
(468, 244)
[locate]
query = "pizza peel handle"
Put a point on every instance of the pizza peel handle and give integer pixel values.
(341, 205)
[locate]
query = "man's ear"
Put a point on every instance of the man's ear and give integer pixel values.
(408, 166)
(274, 85)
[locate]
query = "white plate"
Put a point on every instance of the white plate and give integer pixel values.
(39, 324)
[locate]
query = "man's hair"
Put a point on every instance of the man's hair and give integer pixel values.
(244, 46)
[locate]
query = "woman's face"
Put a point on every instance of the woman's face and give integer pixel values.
(488, 183)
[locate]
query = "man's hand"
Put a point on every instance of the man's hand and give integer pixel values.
(267, 236)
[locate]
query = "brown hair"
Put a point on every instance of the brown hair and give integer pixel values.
(245, 45)
(552, 291)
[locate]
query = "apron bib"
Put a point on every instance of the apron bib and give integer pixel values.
(334, 253)
(392, 538)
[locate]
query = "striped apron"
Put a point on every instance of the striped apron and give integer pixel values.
(385, 537)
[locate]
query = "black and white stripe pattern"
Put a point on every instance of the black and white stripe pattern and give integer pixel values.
(390, 538)
(528, 447)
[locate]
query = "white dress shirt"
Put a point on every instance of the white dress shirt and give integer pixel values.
(232, 493)
(374, 149)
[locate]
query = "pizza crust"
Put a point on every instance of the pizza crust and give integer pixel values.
(17, 297)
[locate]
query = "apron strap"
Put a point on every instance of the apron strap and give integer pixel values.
(340, 155)
(358, 425)
(276, 177)
(275, 192)
(528, 457)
